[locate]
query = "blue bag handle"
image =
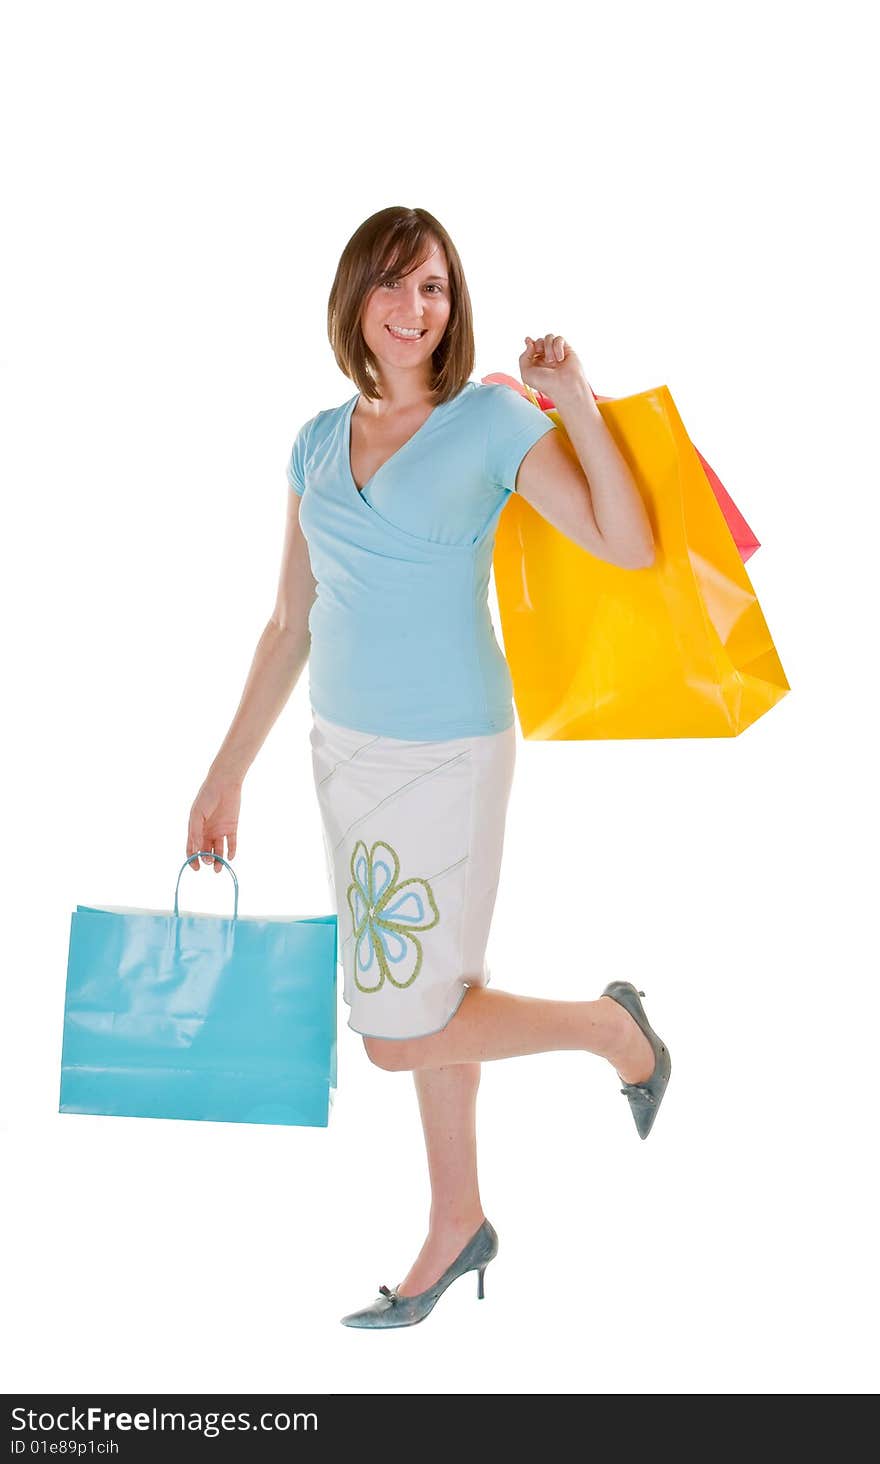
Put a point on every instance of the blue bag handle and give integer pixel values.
(189, 859)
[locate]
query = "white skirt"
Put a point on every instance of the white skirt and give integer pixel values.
(413, 839)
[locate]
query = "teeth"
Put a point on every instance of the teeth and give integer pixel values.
(398, 330)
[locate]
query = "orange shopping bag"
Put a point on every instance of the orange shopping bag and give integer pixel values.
(680, 649)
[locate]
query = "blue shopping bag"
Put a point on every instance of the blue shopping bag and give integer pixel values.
(200, 1016)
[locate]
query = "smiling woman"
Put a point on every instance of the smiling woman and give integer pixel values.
(401, 270)
(397, 495)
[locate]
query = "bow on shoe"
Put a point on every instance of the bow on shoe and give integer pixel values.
(635, 1090)
(390, 1294)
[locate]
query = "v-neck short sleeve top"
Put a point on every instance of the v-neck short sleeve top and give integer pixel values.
(402, 641)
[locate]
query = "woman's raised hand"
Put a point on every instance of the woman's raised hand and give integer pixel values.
(213, 818)
(549, 364)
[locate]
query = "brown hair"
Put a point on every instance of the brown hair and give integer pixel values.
(389, 244)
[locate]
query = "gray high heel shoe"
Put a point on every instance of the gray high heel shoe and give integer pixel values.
(392, 1310)
(644, 1098)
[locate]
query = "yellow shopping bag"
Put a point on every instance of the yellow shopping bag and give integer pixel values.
(597, 652)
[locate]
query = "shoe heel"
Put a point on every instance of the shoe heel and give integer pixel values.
(480, 1287)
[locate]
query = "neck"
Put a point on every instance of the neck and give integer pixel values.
(402, 391)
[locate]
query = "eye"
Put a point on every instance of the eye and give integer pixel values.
(391, 284)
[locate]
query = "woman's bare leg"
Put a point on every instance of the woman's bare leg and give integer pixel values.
(490, 1025)
(493, 1024)
(447, 1104)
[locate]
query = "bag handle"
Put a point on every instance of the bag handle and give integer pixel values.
(212, 855)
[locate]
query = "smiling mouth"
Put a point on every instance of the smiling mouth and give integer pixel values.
(407, 337)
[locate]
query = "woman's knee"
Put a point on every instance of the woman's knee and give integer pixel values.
(388, 1053)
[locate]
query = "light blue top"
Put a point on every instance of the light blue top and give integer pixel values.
(402, 641)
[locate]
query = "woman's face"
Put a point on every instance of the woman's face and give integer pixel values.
(419, 302)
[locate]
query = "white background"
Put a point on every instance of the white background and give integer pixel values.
(684, 195)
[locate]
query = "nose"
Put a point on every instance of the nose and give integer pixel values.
(411, 305)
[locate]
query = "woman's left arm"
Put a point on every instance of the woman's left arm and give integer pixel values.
(595, 500)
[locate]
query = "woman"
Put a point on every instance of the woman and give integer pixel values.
(395, 497)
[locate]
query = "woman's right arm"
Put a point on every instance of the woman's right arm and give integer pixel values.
(281, 653)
